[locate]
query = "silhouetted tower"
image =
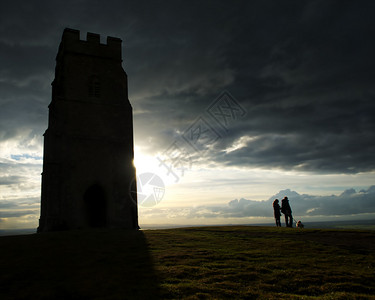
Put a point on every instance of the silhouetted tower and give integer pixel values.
(88, 169)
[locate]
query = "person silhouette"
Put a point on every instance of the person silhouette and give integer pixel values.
(287, 211)
(276, 212)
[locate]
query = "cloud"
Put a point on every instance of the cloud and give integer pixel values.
(7, 204)
(17, 214)
(349, 203)
(303, 72)
(20, 203)
(7, 180)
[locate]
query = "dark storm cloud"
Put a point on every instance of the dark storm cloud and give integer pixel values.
(302, 70)
(304, 73)
(309, 94)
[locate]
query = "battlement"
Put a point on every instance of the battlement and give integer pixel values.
(71, 42)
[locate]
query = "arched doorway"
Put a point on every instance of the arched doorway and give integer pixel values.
(95, 206)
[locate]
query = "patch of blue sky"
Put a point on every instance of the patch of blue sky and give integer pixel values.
(26, 156)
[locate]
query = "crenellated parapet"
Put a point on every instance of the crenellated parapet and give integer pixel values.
(71, 43)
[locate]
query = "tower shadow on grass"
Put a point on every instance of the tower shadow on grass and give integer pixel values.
(92, 264)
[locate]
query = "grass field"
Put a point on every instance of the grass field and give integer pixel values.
(231, 262)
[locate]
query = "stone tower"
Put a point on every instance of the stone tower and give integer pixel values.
(88, 173)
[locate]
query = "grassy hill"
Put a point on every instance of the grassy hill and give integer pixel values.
(241, 262)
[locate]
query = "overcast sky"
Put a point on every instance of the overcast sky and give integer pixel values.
(283, 91)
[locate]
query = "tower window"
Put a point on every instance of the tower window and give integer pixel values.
(94, 87)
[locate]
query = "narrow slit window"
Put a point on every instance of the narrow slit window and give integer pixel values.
(94, 87)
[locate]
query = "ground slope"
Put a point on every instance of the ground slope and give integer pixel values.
(242, 262)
